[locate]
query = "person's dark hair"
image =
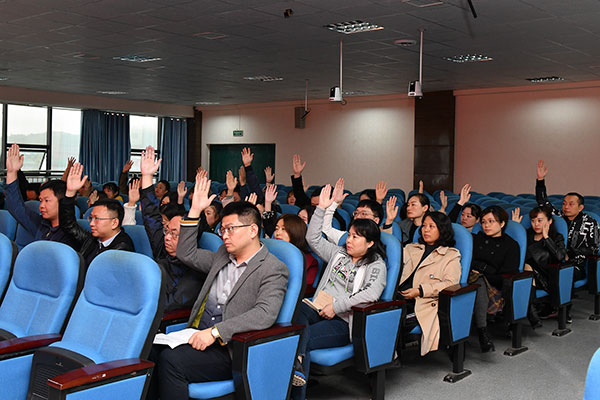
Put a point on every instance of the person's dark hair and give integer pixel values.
(424, 200)
(444, 226)
(35, 187)
(114, 206)
(171, 210)
(316, 192)
(374, 206)
(296, 230)
(112, 187)
(166, 183)
(237, 189)
(246, 212)
(402, 211)
(173, 197)
(547, 211)
(310, 209)
(101, 194)
(475, 209)
(290, 193)
(57, 186)
(368, 229)
(499, 214)
(218, 210)
(580, 198)
(370, 193)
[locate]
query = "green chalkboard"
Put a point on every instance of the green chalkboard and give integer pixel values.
(224, 157)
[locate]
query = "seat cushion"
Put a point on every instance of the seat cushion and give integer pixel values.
(580, 283)
(416, 331)
(210, 390)
(332, 356)
(540, 294)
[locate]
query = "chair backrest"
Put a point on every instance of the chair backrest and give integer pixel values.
(592, 380)
(8, 225)
(559, 224)
(8, 253)
(293, 258)
(289, 209)
(141, 243)
(139, 219)
(82, 203)
(22, 236)
(345, 215)
(517, 232)
(119, 309)
(464, 244)
(88, 212)
(85, 224)
(210, 241)
(393, 262)
(45, 281)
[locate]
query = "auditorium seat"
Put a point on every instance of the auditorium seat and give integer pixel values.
(8, 254)
(8, 225)
(289, 209)
(592, 380)
(138, 235)
(22, 236)
(108, 334)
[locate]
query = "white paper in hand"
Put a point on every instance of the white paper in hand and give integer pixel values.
(175, 339)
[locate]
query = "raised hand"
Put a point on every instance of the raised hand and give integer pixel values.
(252, 198)
(465, 195)
(338, 191)
(297, 165)
(231, 182)
(270, 195)
(14, 160)
(247, 156)
(127, 166)
(74, 180)
(325, 199)
(391, 210)
(269, 175)
(242, 175)
(542, 170)
(201, 172)
(181, 191)
(516, 215)
(93, 197)
(421, 187)
(443, 201)
(149, 164)
(381, 191)
(304, 185)
(134, 192)
(70, 162)
(200, 199)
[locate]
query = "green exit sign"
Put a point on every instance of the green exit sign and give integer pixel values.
(238, 133)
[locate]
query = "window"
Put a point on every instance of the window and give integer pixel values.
(143, 131)
(28, 127)
(66, 133)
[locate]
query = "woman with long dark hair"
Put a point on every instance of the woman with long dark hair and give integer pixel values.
(431, 265)
(355, 273)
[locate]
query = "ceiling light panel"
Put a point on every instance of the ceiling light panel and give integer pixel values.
(263, 78)
(466, 58)
(136, 59)
(351, 27)
(545, 79)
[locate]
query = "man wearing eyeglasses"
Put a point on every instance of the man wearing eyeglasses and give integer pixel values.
(243, 291)
(183, 283)
(105, 221)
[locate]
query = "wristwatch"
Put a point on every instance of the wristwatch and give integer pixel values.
(215, 332)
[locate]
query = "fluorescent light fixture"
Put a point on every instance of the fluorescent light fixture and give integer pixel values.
(210, 35)
(350, 27)
(207, 103)
(111, 92)
(465, 58)
(3, 78)
(263, 78)
(355, 93)
(545, 79)
(137, 59)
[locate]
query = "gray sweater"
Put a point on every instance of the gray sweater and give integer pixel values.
(339, 277)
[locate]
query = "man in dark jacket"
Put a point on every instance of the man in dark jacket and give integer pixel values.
(183, 283)
(105, 221)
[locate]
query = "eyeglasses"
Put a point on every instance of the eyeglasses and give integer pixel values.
(362, 214)
(167, 231)
(230, 229)
(92, 219)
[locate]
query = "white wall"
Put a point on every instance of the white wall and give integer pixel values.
(369, 139)
(501, 133)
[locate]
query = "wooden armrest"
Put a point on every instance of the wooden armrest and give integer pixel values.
(276, 329)
(377, 305)
(98, 372)
(177, 314)
(459, 288)
(518, 275)
(28, 343)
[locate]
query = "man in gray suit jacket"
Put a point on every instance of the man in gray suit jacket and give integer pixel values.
(243, 291)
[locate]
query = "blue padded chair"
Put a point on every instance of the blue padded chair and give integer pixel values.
(139, 219)
(345, 215)
(87, 214)
(263, 360)
(348, 207)
(82, 203)
(45, 282)
(375, 330)
(592, 380)
(289, 209)
(85, 224)
(22, 236)
(455, 306)
(8, 254)
(109, 332)
(8, 225)
(210, 241)
(138, 235)
(592, 279)
(560, 279)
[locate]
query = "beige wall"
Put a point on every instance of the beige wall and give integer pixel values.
(368, 139)
(109, 103)
(501, 133)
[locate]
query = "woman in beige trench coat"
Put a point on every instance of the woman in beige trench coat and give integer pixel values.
(430, 266)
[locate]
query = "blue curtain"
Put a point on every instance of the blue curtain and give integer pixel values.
(173, 150)
(105, 144)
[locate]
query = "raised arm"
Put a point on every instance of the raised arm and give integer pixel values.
(70, 163)
(131, 205)
(66, 208)
(465, 196)
(297, 184)
(124, 177)
(541, 195)
(15, 205)
(314, 237)
(381, 191)
(338, 196)
(251, 178)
